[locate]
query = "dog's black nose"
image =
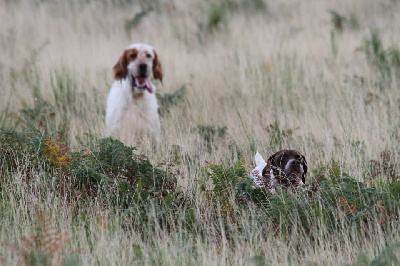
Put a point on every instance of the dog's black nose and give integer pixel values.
(295, 162)
(142, 69)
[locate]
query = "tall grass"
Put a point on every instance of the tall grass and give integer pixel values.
(240, 76)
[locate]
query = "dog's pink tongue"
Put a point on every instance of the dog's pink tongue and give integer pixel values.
(149, 85)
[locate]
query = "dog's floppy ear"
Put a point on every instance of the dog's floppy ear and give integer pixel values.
(271, 160)
(157, 68)
(271, 165)
(305, 168)
(259, 159)
(121, 67)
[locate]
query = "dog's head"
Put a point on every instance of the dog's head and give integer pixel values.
(289, 167)
(137, 63)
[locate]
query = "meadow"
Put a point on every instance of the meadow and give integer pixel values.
(321, 77)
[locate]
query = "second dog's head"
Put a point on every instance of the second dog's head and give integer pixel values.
(292, 164)
(137, 63)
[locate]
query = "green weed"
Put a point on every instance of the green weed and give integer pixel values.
(388, 256)
(385, 60)
(211, 134)
(167, 101)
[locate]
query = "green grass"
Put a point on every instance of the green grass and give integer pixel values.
(240, 76)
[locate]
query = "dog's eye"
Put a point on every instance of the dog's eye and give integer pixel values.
(148, 55)
(132, 56)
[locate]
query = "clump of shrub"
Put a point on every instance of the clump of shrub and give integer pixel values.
(341, 22)
(329, 195)
(218, 12)
(169, 100)
(114, 169)
(384, 60)
(108, 169)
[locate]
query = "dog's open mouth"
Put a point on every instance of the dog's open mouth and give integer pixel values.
(142, 83)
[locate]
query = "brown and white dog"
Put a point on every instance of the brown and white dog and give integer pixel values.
(132, 99)
(285, 169)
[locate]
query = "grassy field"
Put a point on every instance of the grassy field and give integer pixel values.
(321, 77)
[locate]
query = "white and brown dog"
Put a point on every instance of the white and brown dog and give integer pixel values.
(285, 169)
(132, 99)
